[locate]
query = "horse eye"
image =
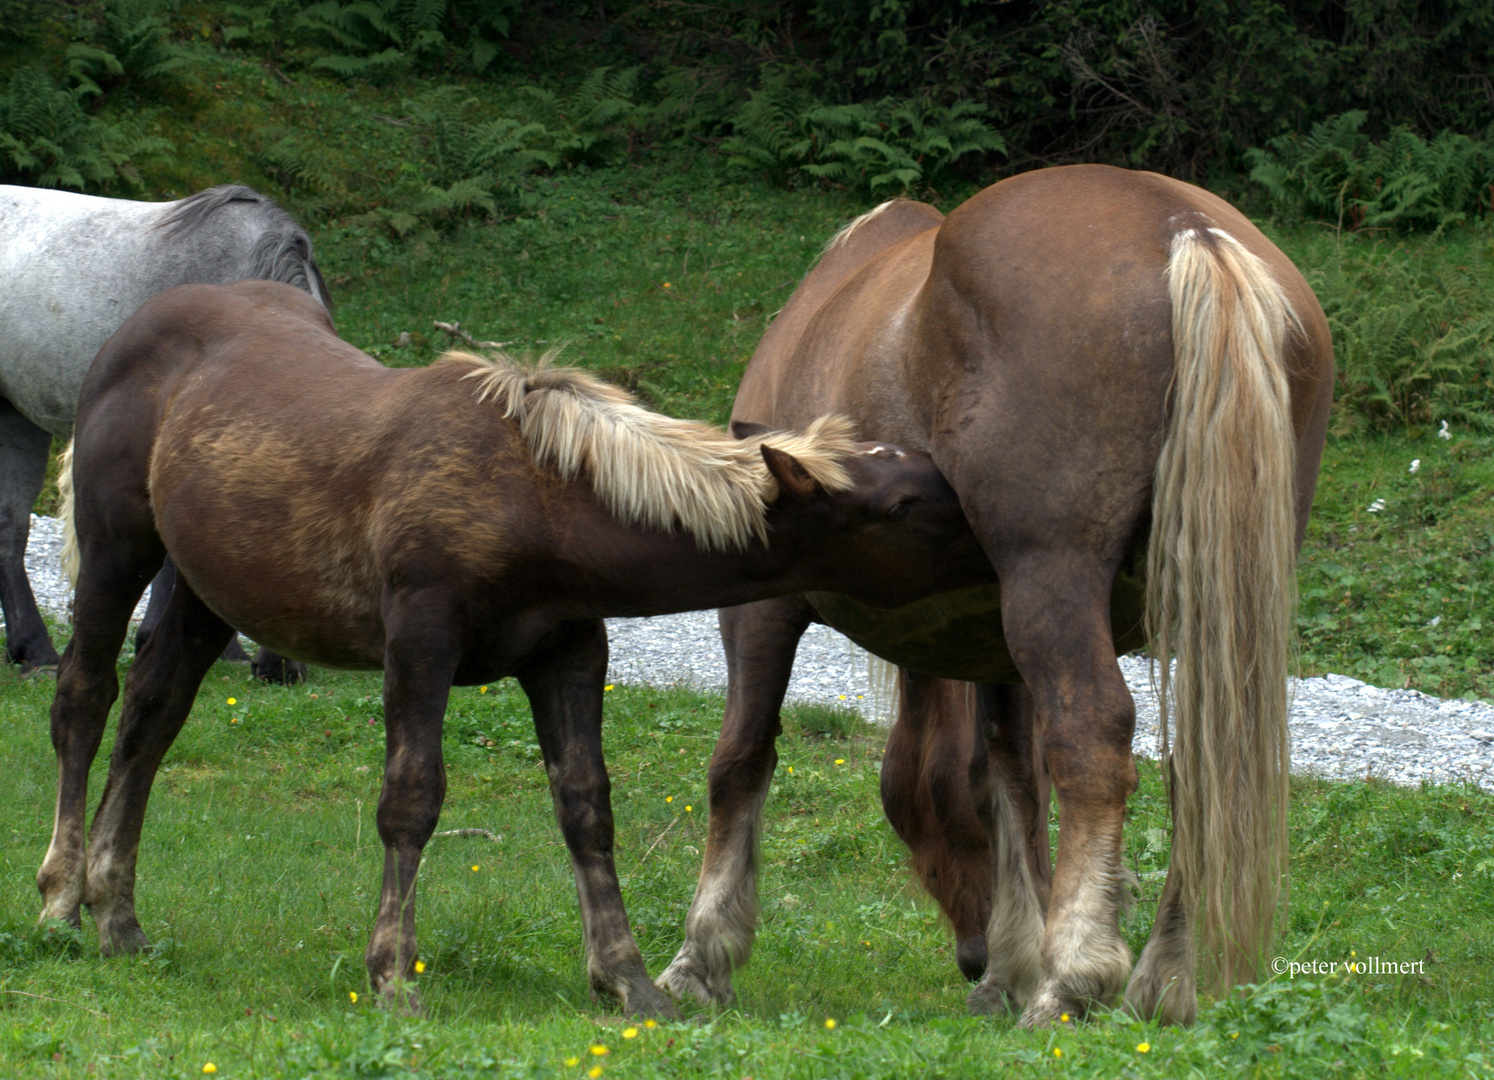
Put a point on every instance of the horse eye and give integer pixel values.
(900, 508)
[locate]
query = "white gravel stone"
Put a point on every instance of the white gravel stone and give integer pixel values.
(1340, 727)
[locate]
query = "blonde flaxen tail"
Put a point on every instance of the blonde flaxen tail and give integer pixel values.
(65, 510)
(1221, 595)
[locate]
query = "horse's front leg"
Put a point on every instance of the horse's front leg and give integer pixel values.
(420, 656)
(760, 641)
(23, 467)
(564, 685)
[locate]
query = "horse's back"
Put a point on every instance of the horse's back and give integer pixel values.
(74, 267)
(830, 343)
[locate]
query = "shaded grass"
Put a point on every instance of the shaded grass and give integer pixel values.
(260, 865)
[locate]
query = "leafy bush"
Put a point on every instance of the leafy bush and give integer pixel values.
(371, 38)
(1413, 331)
(595, 124)
(1400, 181)
(129, 43)
(883, 148)
(46, 139)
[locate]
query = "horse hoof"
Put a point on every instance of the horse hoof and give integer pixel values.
(399, 998)
(680, 981)
(988, 999)
(645, 1001)
(1045, 1010)
(122, 940)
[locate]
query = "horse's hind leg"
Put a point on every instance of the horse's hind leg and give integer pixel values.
(930, 785)
(1014, 809)
(23, 467)
(1164, 985)
(760, 641)
(564, 685)
(159, 690)
(1055, 615)
(114, 574)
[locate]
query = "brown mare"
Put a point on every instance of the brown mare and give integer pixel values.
(1128, 385)
(450, 525)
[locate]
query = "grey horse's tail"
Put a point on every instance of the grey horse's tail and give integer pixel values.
(67, 512)
(283, 251)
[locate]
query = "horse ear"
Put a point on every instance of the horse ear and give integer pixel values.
(746, 429)
(792, 477)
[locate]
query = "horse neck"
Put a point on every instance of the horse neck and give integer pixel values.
(632, 571)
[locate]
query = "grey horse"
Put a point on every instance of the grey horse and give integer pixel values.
(72, 269)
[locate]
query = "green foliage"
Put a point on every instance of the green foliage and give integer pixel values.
(1413, 328)
(129, 44)
(1397, 574)
(1338, 172)
(372, 39)
(882, 149)
(595, 123)
(46, 139)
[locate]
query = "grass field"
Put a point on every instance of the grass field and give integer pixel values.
(260, 867)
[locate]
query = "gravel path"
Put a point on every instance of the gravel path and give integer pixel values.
(1340, 727)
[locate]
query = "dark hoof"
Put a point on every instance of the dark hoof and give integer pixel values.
(274, 668)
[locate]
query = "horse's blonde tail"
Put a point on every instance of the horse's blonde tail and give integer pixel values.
(1221, 592)
(66, 510)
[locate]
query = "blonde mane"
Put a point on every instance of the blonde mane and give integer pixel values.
(648, 469)
(845, 234)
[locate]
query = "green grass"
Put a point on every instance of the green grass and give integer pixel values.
(260, 865)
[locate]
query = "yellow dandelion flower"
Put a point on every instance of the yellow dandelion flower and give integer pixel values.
(482, 689)
(840, 761)
(842, 697)
(1234, 1034)
(651, 1023)
(791, 770)
(630, 1033)
(1064, 1019)
(609, 686)
(669, 798)
(1143, 1047)
(420, 967)
(666, 284)
(233, 719)
(233, 701)
(1057, 1052)
(594, 1072)
(689, 808)
(353, 996)
(572, 1062)
(209, 1068)
(475, 869)
(599, 1050)
(830, 1023)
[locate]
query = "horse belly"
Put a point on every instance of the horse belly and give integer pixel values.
(957, 634)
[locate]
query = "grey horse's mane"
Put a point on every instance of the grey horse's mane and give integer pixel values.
(283, 252)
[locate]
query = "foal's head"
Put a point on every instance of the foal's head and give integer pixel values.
(894, 533)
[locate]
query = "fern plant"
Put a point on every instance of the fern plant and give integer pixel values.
(596, 123)
(129, 44)
(1403, 181)
(368, 38)
(373, 36)
(883, 148)
(47, 140)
